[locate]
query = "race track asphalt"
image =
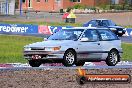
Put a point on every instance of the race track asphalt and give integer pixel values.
(62, 67)
(126, 39)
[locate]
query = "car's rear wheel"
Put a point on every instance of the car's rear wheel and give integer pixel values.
(34, 63)
(113, 58)
(79, 63)
(69, 58)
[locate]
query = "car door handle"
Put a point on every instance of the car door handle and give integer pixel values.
(98, 43)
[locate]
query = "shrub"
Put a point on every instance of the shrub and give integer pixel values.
(118, 7)
(69, 9)
(78, 6)
(92, 8)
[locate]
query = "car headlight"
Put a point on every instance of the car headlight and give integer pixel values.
(27, 48)
(52, 48)
(113, 29)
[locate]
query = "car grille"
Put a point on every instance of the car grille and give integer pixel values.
(37, 48)
(30, 56)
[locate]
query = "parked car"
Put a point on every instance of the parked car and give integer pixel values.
(118, 30)
(76, 46)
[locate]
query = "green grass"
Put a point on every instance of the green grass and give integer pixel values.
(44, 23)
(127, 51)
(129, 26)
(11, 48)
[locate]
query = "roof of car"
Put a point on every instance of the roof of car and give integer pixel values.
(100, 19)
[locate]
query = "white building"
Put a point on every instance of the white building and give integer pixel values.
(7, 7)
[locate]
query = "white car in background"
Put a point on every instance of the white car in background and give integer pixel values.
(76, 46)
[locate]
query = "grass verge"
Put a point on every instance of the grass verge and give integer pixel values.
(11, 48)
(44, 23)
(127, 51)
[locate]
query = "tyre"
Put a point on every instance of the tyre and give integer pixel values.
(69, 58)
(79, 63)
(34, 63)
(113, 58)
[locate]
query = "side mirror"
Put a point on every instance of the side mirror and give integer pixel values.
(45, 39)
(84, 39)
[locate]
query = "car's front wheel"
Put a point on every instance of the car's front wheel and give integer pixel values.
(34, 63)
(113, 58)
(69, 58)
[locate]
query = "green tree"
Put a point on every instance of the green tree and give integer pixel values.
(16, 4)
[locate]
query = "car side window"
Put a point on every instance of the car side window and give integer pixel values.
(91, 35)
(107, 35)
(105, 23)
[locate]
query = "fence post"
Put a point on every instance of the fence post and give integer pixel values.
(6, 7)
(20, 7)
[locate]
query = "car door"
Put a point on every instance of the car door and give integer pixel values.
(91, 49)
(109, 40)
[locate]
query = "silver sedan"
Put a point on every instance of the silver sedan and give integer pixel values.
(76, 46)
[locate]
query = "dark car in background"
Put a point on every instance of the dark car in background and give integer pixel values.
(118, 30)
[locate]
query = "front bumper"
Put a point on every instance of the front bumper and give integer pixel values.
(43, 55)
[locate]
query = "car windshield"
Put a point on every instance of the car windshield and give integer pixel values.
(66, 34)
(93, 23)
(112, 23)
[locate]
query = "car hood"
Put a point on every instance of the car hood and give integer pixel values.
(51, 43)
(115, 27)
